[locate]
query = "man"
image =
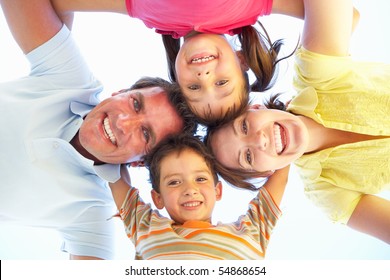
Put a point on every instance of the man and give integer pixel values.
(59, 145)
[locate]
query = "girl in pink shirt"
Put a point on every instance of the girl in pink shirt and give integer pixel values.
(212, 75)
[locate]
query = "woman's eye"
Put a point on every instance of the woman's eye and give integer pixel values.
(146, 134)
(222, 82)
(248, 157)
(193, 87)
(244, 127)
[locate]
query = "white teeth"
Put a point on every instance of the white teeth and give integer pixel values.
(192, 204)
(108, 131)
(278, 139)
(203, 59)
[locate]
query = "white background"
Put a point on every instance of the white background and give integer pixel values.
(120, 50)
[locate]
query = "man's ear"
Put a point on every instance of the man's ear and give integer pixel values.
(244, 64)
(218, 190)
(157, 199)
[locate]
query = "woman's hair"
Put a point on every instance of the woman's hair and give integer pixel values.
(177, 144)
(240, 178)
(260, 55)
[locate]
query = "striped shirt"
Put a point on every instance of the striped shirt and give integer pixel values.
(157, 237)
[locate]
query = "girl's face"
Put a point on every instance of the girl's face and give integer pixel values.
(261, 139)
(187, 188)
(210, 74)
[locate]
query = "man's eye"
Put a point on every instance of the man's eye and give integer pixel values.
(146, 134)
(248, 157)
(222, 82)
(137, 105)
(244, 127)
(193, 87)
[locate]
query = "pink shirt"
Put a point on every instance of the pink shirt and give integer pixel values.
(179, 17)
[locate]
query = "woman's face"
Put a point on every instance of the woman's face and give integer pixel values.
(210, 74)
(261, 139)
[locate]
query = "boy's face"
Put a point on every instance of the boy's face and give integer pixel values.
(187, 188)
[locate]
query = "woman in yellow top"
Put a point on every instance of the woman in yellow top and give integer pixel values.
(337, 128)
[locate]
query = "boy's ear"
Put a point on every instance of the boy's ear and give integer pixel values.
(157, 199)
(243, 62)
(218, 190)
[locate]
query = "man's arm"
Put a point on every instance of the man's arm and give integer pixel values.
(372, 216)
(32, 23)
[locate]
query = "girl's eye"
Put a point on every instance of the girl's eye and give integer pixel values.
(244, 127)
(146, 134)
(222, 82)
(193, 87)
(248, 157)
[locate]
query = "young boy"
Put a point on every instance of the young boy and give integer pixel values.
(182, 173)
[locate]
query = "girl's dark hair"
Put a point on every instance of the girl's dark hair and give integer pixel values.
(260, 55)
(240, 178)
(177, 144)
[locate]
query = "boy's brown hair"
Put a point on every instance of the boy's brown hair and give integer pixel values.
(176, 144)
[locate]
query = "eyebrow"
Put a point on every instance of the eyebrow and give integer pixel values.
(239, 152)
(152, 140)
(206, 170)
(198, 99)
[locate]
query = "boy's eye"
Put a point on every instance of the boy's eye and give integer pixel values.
(173, 182)
(193, 87)
(201, 179)
(222, 82)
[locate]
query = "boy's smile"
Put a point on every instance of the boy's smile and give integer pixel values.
(187, 188)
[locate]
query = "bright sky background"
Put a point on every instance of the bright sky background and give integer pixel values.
(120, 50)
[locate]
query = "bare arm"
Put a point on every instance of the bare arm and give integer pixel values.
(327, 26)
(32, 23)
(372, 216)
(66, 6)
(120, 188)
(296, 8)
(276, 184)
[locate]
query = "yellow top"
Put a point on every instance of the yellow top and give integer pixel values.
(352, 96)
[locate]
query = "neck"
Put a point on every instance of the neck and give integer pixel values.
(75, 142)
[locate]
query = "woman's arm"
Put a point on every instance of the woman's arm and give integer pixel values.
(372, 216)
(276, 184)
(327, 26)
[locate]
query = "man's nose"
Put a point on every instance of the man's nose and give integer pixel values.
(127, 123)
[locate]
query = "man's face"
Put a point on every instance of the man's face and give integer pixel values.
(127, 125)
